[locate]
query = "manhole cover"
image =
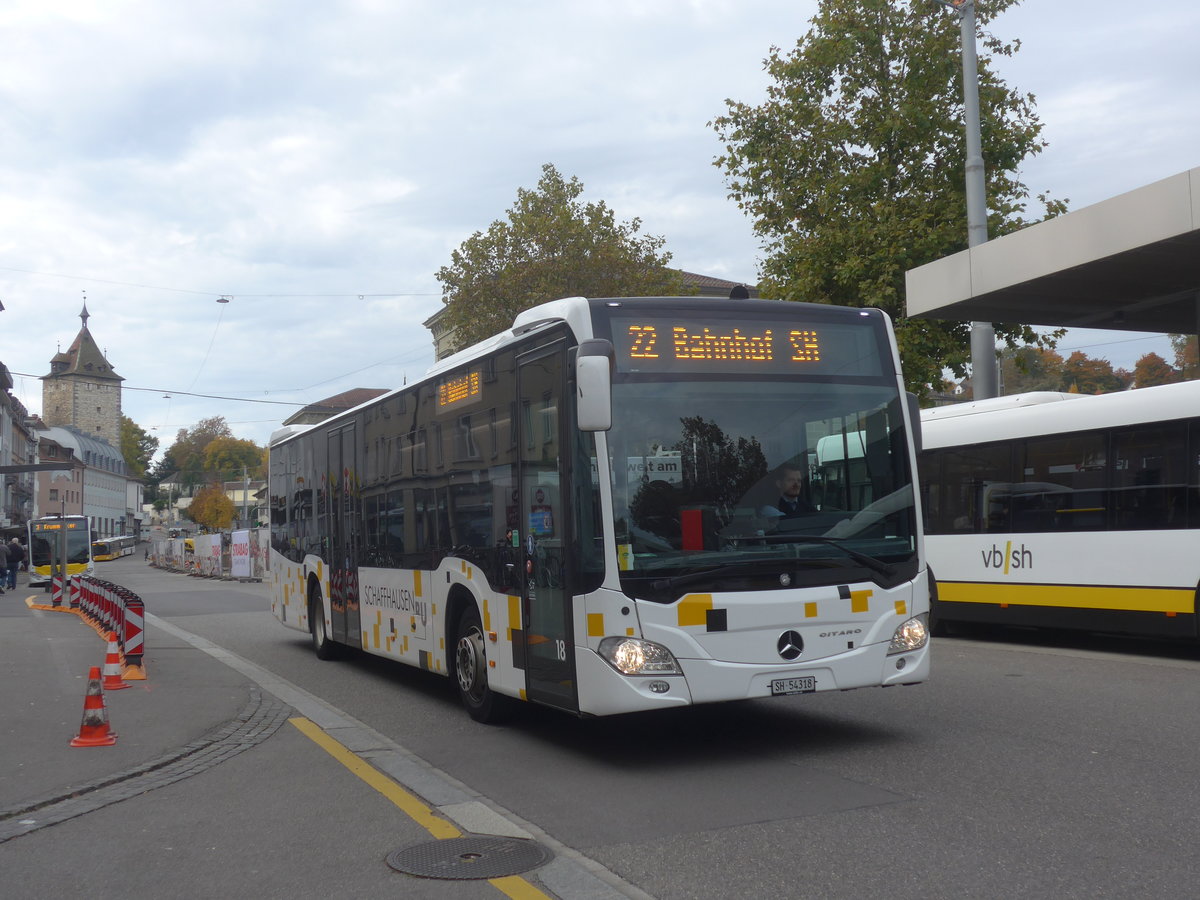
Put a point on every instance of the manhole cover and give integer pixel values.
(461, 859)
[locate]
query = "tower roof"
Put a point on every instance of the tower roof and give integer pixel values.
(83, 357)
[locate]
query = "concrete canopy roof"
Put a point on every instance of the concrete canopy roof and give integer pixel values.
(1130, 263)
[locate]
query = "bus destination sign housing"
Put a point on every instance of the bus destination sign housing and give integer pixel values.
(750, 344)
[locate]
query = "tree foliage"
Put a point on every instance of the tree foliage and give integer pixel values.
(1025, 369)
(211, 508)
(227, 457)
(1152, 370)
(853, 167)
(137, 446)
(1187, 357)
(186, 455)
(552, 245)
(1084, 375)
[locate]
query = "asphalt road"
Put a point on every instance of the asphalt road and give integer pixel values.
(1027, 767)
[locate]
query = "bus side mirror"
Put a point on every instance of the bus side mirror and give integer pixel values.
(914, 416)
(593, 384)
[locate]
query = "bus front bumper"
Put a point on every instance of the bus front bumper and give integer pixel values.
(604, 691)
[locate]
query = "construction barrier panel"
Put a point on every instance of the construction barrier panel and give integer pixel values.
(117, 611)
(135, 624)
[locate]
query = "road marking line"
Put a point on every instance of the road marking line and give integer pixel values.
(513, 886)
(413, 808)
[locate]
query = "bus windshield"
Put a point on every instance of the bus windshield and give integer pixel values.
(811, 476)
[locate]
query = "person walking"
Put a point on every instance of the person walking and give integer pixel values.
(16, 556)
(3, 564)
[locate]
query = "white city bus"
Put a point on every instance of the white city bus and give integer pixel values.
(581, 511)
(1067, 510)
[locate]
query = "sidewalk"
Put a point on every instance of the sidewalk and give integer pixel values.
(45, 657)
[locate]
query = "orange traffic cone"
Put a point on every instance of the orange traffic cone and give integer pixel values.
(112, 666)
(93, 731)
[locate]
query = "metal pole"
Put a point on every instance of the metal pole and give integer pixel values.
(983, 335)
(62, 548)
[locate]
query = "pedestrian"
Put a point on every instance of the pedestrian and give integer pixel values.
(3, 564)
(16, 556)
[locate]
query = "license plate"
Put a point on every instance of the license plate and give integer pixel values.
(804, 685)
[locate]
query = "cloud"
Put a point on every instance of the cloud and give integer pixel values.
(319, 162)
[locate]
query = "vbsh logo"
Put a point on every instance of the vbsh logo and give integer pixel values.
(1008, 558)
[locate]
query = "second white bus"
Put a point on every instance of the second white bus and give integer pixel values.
(1067, 511)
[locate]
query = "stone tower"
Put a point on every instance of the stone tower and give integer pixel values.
(82, 390)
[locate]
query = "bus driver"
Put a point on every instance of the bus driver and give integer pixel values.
(791, 503)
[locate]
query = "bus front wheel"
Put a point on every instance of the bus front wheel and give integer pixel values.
(323, 647)
(471, 671)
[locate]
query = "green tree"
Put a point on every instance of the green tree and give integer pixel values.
(552, 245)
(137, 446)
(186, 455)
(226, 457)
(852, 168)
(211, 508)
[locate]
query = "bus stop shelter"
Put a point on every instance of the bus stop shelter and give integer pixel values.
(1130, 263)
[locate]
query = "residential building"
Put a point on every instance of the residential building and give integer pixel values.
(18, 447)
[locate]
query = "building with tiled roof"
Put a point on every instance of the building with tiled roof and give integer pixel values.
(696, 285)
(81, 421)
(83, 390)
(330, 406)
(708, 286)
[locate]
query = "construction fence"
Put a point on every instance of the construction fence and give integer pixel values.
(237, 555)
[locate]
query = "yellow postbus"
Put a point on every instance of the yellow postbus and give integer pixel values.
(113, 547)
(45, 541)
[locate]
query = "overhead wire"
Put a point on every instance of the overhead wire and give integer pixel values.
(174, 290)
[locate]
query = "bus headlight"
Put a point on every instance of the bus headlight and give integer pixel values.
(632, 656)
(912, 635)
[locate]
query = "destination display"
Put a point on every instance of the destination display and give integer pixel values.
(459, 390)
(751, 345)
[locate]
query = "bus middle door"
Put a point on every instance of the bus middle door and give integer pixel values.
(343, 532)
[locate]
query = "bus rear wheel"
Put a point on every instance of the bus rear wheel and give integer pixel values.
(471, 671)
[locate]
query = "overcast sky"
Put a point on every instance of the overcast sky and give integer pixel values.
(316, 163)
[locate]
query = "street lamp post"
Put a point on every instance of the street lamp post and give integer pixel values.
(984, 380)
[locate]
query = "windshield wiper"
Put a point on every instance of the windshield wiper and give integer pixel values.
(665, 584)
(870, 562)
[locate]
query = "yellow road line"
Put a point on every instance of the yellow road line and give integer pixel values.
(513, 886)
(413, 808)
(517, 887)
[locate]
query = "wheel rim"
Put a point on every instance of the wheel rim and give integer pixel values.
(469, 661)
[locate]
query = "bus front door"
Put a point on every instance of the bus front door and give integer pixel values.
(546, 600)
